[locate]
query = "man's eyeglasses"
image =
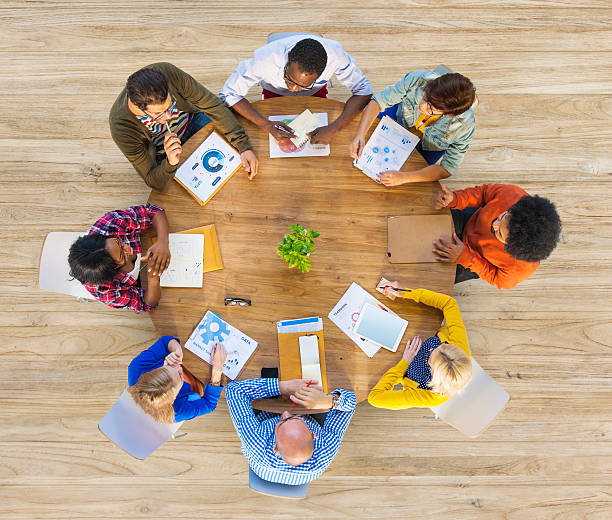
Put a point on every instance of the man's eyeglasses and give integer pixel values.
(242, 302)
(168, 110)
(291, 82)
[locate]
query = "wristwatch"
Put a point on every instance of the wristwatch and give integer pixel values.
(335, 398)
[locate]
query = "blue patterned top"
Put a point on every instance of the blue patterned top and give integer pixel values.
(419, 370)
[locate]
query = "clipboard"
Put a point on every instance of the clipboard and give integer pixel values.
(409, 238)
(212, 252)
(289, 356)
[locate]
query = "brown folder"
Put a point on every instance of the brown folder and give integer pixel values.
(289, 356)
(409, 238)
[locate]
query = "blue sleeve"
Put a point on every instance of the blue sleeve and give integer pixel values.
(149, 359)
(239, 395)
(394, 94)
(184, 409)
(337, 422)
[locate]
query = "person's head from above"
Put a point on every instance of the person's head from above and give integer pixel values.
(530, 229)
(448, 95)
(97, 259)
(148, 94)
(155, 392)
(305, 63)
(293, 440)
(451, 369)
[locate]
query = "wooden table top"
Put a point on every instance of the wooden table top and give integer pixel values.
(324, 193)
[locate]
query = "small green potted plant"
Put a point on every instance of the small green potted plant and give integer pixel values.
(296, 247)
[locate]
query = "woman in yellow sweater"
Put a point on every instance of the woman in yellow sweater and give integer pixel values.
(430, 371)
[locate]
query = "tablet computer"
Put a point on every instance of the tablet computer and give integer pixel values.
(380, 326)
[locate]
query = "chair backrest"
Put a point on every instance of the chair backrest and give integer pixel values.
(135, 432)
(260, 485)
(280, 35)
(474, 409)
(53, 269)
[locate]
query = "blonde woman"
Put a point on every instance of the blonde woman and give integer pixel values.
(164, 390)
(430, 371)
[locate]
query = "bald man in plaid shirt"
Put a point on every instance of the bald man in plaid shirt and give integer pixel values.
(289, 449)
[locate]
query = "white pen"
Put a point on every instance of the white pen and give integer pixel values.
(283, 129)
(168, 127)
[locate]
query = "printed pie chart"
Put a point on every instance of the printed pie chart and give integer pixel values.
(213, 161)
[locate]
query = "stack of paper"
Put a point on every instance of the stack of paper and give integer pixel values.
(387, 149)
(186, 267)
(303, 124)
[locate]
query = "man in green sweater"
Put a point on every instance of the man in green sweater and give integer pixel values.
(160, 108)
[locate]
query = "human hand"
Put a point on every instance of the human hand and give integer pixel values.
(284, 132)
(388, 291)
(288, 388)
(393, 178)
(356, 146)
(322, 135)
(172, 147)
(218, 355)
(443, 198)
(412, 348)
(250, 163)
(447, 249)
(175, 357)
(312, 397)
(158, 256)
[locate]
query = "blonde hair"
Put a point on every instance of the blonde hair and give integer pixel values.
(155, 392)
(451, 370)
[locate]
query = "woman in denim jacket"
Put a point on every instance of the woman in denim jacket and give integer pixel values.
(437, 108)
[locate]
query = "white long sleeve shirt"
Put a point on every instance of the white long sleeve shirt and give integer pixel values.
(267, 68)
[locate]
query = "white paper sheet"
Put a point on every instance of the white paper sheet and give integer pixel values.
(307, 150)
(346, 313)
(186, 267)
(387, 149)
(309, 358)
(206, 169)
(213, 329)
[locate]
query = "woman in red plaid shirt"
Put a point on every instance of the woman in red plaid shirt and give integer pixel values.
(107, 260)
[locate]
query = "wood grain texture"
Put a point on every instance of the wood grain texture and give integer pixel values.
(542, 69)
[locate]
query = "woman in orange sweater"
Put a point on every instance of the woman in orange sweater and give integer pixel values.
(430, 371)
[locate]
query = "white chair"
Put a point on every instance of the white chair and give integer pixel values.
(474, 409)
(53, 268)
(135, 432)
(265, 487)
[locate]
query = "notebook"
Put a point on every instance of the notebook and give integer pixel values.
(409, 238)
(303, 124)
(387, 149)
(208, 168)
(186, 267)
(285, 148)
(213, 329)
(309, 357)
(380, 326)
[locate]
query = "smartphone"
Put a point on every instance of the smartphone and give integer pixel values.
(269, 372)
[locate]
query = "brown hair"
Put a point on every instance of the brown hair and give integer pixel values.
(452, 93)
(147, 87)
(155, 392)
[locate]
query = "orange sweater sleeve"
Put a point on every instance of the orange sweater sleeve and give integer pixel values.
(474, 197)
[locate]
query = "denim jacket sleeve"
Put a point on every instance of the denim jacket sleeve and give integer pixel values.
(456, 150)
(396, 93)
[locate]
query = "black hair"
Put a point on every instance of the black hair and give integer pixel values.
(90, 262)
(533, 230)
(310, 55)
(147, 87)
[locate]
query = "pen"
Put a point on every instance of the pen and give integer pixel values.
(394, 288)
(307, 385)
(167, 127)
(283, 129)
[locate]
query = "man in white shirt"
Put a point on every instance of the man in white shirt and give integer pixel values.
(297, 66)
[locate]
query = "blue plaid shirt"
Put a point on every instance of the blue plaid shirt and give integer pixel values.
(257, 432)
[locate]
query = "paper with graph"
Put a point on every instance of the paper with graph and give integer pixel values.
(387, 149)
(214, 329)
(286, 148)
(186, 267)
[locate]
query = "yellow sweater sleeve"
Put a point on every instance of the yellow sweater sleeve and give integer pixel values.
(383, 395)
(454, 331)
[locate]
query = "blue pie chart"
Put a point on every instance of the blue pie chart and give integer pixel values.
(213, 160)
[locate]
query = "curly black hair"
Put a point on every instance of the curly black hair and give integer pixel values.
(90, 262)
(310, 55)
(147, 87)
(534, 229)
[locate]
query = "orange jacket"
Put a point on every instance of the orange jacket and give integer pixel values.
(484, 254)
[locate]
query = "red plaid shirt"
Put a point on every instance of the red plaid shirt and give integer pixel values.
(122, 292)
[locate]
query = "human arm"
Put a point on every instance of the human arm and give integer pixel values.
(430, 173)
(158, 255)
(325, 134)
(367, 118)
(384, 396)
(336, 424)
(246, 110)
(150, 359)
